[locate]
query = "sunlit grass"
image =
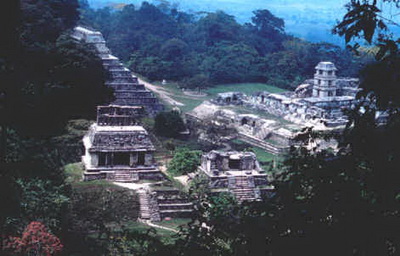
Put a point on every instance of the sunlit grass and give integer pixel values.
(247, 88)
(192, 102)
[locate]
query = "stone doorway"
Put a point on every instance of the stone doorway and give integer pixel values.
(234, 164)
(121, 159)
(141, 158)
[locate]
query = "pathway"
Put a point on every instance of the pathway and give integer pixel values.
(166, 96)
(151, 224)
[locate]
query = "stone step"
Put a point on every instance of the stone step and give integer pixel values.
(171, 200)
(176, 211)
(260, 143)
(187, 206)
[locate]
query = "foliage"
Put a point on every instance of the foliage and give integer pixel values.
(364, 20)
(35, 240)
(42, 201)
(131, 242)
(209, 232)
(204, 49)
(168, 124)
(184, 162)
(95, 208)
(199, 81)
(44, 70)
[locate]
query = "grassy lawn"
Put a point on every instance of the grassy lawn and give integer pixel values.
(247, 88)
(174, 223)
(74, 176)
(73, 172)
(192, 102)
(262, 156)
(165, 235)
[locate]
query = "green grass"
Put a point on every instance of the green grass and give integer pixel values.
(262, 156)
(74, 176)
(174, 223)
(192, 102)
(165, 235)
(247, 88)
(73, 172)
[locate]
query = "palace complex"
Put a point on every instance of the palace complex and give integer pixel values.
(272, 120)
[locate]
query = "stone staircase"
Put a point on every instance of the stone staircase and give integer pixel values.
(157, 205)
(125, 176)
(172, 203)
(144, 201)
(262, 133)
(149, 209)
(244, 188)
(273, 149)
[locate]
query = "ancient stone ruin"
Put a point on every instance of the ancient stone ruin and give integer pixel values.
(229, 98)
(318, 101)
(118, 149)
(121, 153)
(214, 124)
(273, 119)
(157, 204)
(236, 172)
(127, 90)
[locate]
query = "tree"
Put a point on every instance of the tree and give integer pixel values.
(184, 162)
(199, 81)
(365, 20)
(217, 27)
(168, 124)
(42, 200)
(267, 24)
(35, 240)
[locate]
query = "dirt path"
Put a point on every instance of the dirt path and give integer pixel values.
(152, 224)
(161, 92)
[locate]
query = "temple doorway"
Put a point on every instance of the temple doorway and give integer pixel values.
(121, 159)
(141, 159)
(234, 164)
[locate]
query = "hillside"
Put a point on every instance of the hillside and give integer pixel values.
(311, 19)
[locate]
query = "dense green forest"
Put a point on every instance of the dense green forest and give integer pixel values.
(324, 204)
(162, 42)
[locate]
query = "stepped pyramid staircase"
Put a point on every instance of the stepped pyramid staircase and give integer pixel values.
(148, 205)
(159, 204)
(172, 203)
(243, 188)
(125, 176)
(252, 140)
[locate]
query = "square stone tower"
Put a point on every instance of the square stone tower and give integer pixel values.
(325, 80)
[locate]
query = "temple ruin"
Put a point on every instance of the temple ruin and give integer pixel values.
(318, 101)
(118, 149)
(238, 173)
(214, 124)
(273, 119)
(127, 89)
